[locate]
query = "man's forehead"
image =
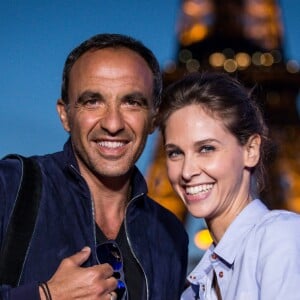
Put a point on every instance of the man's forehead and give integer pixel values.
(112, 67)
(110, 53)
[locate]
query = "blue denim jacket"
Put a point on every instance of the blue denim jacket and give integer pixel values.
(65, 224)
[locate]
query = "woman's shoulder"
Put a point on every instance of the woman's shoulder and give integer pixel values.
(278, 224)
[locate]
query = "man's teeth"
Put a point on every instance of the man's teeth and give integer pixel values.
(198, 189)
(108, 144)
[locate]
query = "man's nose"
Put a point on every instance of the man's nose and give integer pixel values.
(113, 120)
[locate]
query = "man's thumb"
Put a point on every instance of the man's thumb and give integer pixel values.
(80, 257)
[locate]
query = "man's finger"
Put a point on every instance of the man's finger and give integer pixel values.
(80, 257)
(113, 296)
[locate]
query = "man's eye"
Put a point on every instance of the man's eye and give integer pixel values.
(134, 102)
(91, 102)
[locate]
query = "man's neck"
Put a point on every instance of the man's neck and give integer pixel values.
(110, 207)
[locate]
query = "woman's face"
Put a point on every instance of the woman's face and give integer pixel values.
(206, 165)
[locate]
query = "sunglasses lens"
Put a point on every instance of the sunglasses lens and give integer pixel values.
(121, 285)
(120, 292)
(110, 253)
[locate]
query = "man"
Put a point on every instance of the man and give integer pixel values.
(93, 193)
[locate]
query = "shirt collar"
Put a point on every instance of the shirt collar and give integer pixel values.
(229, 245)
(203, 268)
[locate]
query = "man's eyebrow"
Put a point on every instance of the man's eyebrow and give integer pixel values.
(88, 94)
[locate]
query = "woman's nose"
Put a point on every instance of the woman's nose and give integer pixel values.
(189, 168)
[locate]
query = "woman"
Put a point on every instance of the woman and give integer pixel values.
(216, 143)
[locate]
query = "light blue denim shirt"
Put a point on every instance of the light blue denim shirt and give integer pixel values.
(257, 258)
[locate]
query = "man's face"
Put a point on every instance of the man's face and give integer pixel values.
(110, 110)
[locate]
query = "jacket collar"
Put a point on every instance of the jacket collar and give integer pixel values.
(69, 155)
(138, 182)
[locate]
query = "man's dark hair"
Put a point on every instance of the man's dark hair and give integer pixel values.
(101, 41)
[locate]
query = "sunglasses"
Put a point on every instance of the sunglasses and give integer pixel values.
(109, 252)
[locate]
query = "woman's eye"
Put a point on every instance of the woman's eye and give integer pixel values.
(207, 148)
(173, 153)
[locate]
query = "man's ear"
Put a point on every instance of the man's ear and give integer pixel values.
(252, 151)
(61, 108)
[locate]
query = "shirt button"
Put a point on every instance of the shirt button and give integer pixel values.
(221, 274)
(214, 256)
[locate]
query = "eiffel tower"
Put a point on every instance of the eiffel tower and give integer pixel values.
(245, 39)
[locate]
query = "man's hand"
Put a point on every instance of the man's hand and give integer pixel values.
(71, 281)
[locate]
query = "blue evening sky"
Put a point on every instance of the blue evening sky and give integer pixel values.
(36, 37)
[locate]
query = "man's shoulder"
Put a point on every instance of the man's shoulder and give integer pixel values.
(16, 159)
(164, 214)
(11, 165)
(50, 162)
(14, 166)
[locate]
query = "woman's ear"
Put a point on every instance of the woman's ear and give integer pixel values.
(252, 151)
